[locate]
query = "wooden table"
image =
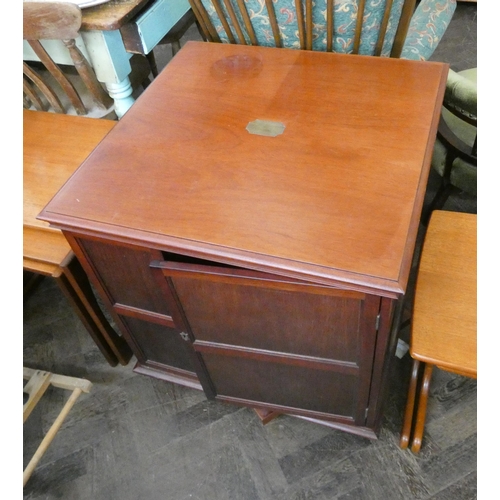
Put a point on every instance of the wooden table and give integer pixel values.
(47, 164)
(444, 319)
(266, 270)
(102, 43)
(448, 311)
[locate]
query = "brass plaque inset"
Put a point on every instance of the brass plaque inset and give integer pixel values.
(266, 128)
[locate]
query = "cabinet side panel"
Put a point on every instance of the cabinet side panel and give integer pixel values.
(127, 275)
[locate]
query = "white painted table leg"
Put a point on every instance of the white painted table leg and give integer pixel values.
(121, 93)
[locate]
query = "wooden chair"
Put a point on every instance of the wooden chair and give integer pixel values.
(69, 89)
(392, 28)
(443, 326)
(49, 87)
(54, 145)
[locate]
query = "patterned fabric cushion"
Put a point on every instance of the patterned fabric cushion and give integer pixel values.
(345, 13)
(432, 17)
(428, 24)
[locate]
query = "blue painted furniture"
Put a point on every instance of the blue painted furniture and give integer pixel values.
(104, 47)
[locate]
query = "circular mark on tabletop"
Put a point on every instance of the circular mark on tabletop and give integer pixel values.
(237, 66)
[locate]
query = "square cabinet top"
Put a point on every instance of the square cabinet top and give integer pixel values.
(307, 164)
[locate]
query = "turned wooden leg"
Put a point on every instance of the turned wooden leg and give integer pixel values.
(422, 409)
(410, 406)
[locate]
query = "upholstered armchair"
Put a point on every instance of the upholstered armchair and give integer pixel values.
(368, 27)
(455, 151)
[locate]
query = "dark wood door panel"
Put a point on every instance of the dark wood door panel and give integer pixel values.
(126, 274)
(282, 317)
(159, 344)
(284, 386)
(276, 342)
(296, 322)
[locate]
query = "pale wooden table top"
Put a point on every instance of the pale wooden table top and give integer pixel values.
(42, 176)
(50, 155)
(444, 323)
(336, 198)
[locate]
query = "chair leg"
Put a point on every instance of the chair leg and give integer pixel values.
(437, 203)
(422, 409)
(410, 406)
(31, 284)
(152, 63)
(176, 46)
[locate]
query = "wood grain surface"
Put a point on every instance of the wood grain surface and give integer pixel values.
(444, 330)
(49, 159)
(42, 21)
(336, 197)
(111, 15)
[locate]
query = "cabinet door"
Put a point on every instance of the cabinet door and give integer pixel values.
(272, 342)
(141, 307)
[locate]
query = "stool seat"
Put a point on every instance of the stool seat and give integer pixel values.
(54, 146)
(444, 318)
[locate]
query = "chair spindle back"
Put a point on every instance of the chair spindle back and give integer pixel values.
(347, 26)
(57, 21)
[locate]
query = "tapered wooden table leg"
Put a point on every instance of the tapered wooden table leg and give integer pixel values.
(410, 406)
(422, 409)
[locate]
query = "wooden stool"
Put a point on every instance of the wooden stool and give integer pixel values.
(444, 322)
(54, 146)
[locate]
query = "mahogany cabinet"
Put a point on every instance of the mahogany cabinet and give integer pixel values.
(247, 337)
(265, 270)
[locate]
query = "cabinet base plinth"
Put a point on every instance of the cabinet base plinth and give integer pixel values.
(176, 378)
(358, 431)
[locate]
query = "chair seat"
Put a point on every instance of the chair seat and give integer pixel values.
(463, 174)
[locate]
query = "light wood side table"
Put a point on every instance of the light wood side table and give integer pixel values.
(444, 322)
(54, 145)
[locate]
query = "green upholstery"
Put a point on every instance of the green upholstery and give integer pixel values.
(461, 96)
